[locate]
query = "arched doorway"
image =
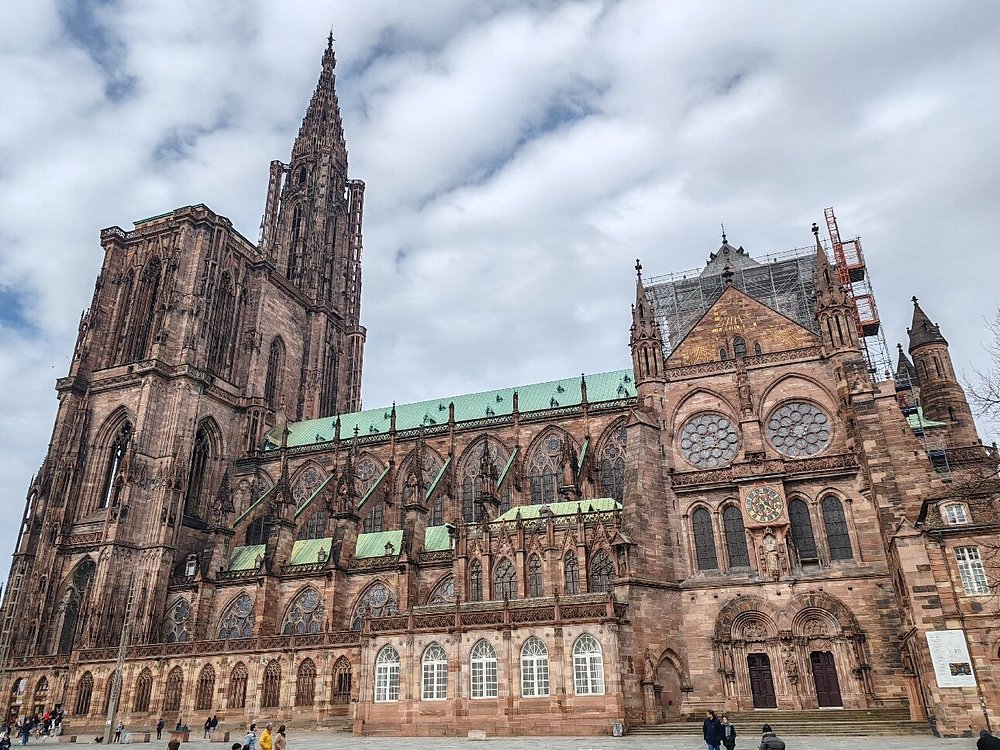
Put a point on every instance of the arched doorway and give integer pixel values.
(824, 671)
(667, 691)
(761, 681)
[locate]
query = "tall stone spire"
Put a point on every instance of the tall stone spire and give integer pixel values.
(922, 331)
(833, 308)
(322, 131)
(645, 340)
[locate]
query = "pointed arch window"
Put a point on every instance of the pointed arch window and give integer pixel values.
(437, 510)
(588, 666)
(275, 368)
(723, 354)
(143, 315)
(535, 586)
(837, 536)
(434, 682)
(238, 686)
(270, 696)
(305, 614)
(505, 581)
(72, 602)
(205, 694)
(113, 681)
(258, 531)
(736, 538)
(571, 573)
(704, 540)
(315, 525)
(378, 601)
(612, 465)
(223, 328)
(305, 684)
(113, 479)
(375, 518)
(802, 531)
(534, 669)
(84, 691)
(602, 572)
(124, 307)
(444, 592)
(196, 475)
(237, 621)
(757, 350)
(387, 675)
(739, 347)
(293, 246)
(475, 581)
(173, 690)
(41, 694)
(342, 681)
(544, 468)
(483, 663)
(175, 623)
(143, 691)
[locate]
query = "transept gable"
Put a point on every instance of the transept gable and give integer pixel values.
(736, 314)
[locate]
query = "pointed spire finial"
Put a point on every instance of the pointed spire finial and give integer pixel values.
(899, 347)
(724, 241)
(914, 299)
(815, 229)
(638, 269)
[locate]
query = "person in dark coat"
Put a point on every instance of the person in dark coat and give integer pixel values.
(159, 728)
(769, 740)
(987, 741)
(712, 730)
(728, 734)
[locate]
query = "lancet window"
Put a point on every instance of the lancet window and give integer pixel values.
(611, 463)
(544, 468)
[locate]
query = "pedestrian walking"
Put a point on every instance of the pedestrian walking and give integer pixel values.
(250, 741)
(769, 740)
(987, 741)
(279, 738)
(159, 728)
(711, 729)
(266, 742)
(728, 734)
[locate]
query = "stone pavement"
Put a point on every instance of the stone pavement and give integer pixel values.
(320, 740)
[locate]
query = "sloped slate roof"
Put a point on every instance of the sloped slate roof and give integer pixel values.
(373, 543)
(436, 539)
(245, 558)
(306, 551)
(607, 386)
(561, 509)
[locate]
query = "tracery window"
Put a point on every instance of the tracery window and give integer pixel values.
(237, 620)
(113, 679)
(602, 572)
(483, 663)
(258, 531)
(378, 601)
(534, 669)
(270, 696)
(305, 684)
(588, 666)
(475, 581)
(496, 457)
(305, 615)
(704, 540)
(175, 624)
(837, 536)
(342, 681)
(205, 694)
(173, 691)
(739, 347)
(544, 468)
(437, 510)
(315, 525)
(305, 484)
(798, 429)
(275, 366)
(196, 475)
(505, 580)
(434, 685)
(222, 328)
(444, 592)
(612, 465)
(143, 314)
(387, 675)
(802, 531)
(571, 573)
(736, 538)
(72, 600)
(375, 518)
(84, 690)
(238, 686)
(143, 691)
(113, 481)
(971, 571)
(535, 587)
(365, 474)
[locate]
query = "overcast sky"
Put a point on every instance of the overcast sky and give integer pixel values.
(518, 157)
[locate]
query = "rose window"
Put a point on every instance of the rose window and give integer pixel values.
(798, 429)
(709, 440)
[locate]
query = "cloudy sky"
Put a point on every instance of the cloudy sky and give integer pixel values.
(518, 156)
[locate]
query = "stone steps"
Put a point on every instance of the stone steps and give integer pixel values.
(829, 722)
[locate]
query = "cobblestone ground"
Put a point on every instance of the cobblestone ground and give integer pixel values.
(320, 740)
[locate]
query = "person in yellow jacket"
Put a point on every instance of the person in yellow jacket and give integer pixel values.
(266, 743)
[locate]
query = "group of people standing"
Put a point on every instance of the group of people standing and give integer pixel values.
(723, 733)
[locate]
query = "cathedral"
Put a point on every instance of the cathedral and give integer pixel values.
(746, 518)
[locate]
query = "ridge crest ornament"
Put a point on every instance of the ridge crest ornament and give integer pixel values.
(763, 504)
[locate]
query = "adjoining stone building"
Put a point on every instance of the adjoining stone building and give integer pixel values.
(741, 519)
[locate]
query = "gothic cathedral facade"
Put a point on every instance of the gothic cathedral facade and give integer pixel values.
(744, 518)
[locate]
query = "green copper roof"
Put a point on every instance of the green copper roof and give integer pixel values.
(255, 503)
(245, 558)
(373, 544)
(562, 509)
(436, 539)
(306, 551)
(437, 479)
(305, 503)
(918, 421)
(371, 490)
(607, 386)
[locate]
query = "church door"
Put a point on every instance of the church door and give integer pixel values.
(825, 676)
(761, 682)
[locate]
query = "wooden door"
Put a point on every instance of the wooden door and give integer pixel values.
(761, 682)
(825, 677)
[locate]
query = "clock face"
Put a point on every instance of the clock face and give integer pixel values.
(763, 504)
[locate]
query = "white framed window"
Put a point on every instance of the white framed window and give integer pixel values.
(954, 514)
(435, 674)
(588, 666)
(484, 670)
(387, 675)
(971, 570)
(534, 669)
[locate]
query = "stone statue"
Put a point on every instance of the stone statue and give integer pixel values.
(649, 669)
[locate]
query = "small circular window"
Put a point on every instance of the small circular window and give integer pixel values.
(709, 440)
(798, 428)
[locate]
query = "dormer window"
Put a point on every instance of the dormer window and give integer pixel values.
(190, 565)
(955, 514)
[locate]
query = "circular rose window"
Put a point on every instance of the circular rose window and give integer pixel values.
(709, 440)
(798, 429)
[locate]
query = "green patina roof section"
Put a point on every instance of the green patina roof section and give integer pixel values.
(562, 509)
(583, 454)
(434, 484)
(510, 462)
(312, 497)
(245, 558)
(607, 386)
(306, 551)
(918, 421)
(436, 539)
(255, 503)
(373, 544)
(381, 478)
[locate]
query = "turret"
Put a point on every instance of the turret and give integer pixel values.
(646, 343)
(833, 307)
